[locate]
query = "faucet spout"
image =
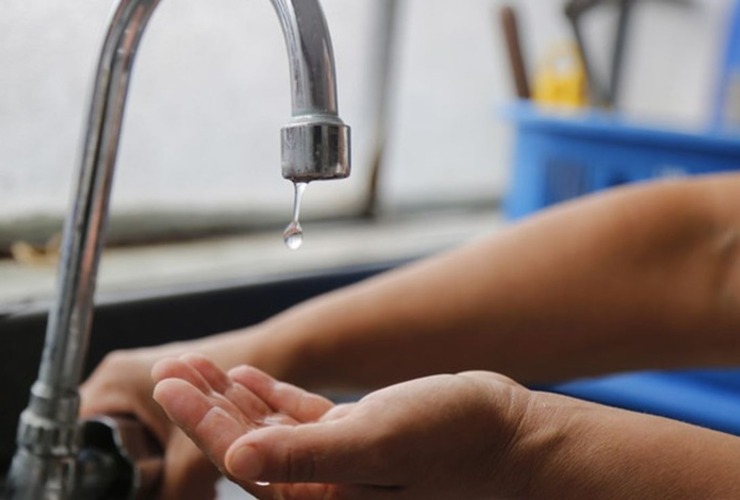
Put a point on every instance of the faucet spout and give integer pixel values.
(315, 145)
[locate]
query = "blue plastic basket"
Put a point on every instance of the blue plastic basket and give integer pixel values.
(558, 157)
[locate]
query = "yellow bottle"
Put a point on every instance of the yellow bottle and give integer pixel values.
(561, 80)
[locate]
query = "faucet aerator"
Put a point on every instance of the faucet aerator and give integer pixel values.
(315, 149)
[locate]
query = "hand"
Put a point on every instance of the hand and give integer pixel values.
(122, 384)
(447, 436)
(471, 435)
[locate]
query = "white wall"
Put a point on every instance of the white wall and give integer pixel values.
(210, 92)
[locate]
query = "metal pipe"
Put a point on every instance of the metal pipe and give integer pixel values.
(315, 145)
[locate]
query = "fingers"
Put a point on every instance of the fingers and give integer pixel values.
(284, 398)
(256, 394)
(340, 451)
(185, 368)
(216, 378)
(209, 379)
(210, 409)
(185, 404)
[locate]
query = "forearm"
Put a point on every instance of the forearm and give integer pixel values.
(573, 449)
(645, 277)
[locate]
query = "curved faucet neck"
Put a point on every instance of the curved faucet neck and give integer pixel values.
(311, 57)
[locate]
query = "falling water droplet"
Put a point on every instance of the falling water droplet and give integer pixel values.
(293, 234)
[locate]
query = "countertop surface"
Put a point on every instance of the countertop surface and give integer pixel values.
(211, 260)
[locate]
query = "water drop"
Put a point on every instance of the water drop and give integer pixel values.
(293, 234)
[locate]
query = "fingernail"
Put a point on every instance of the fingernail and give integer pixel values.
(245, 463)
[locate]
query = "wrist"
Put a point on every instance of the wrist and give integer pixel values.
(587, 450)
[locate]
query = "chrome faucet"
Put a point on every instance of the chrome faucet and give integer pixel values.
(52, 460)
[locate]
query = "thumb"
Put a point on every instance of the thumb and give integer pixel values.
(324, 452)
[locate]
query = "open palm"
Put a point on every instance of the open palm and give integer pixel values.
(443, 436)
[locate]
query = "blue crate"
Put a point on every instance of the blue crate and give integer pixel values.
(559, 156)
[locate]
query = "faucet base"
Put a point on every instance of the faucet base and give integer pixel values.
(33, 477)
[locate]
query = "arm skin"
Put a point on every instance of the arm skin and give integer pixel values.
(642, 277)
